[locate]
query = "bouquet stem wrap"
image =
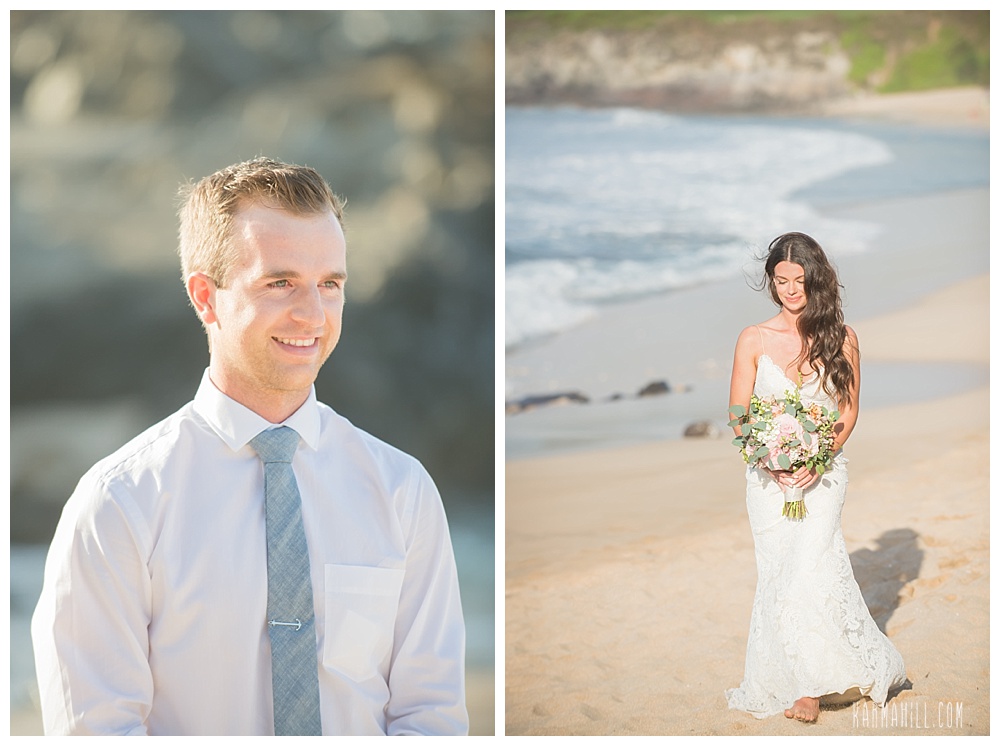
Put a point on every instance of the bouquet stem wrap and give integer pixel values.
(795, 506)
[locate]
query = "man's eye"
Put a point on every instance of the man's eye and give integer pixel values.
(332, 284)
(278, 284)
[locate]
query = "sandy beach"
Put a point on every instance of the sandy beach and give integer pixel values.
(952, 107)
(630, 570)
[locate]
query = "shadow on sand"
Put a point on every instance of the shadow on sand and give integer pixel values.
(883, 572)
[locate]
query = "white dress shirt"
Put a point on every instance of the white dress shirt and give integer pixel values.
(152, 618)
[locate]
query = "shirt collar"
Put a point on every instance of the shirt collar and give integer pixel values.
(237, 425)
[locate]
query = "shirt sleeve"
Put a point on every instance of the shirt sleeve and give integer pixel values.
(427, 673)
(89, 629)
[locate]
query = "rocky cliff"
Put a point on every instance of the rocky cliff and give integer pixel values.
(690, 62)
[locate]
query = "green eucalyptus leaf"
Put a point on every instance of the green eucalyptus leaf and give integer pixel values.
(745, 429)
(784, 462)
(761, 452)
(738, 410)
(808, 426)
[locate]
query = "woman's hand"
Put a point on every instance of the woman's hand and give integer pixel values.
(802, 478)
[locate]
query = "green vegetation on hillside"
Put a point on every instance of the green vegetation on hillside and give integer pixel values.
(894, 51)
(890, 50)
(950, 60)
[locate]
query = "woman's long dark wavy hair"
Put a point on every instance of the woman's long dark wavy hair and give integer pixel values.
(821, 323)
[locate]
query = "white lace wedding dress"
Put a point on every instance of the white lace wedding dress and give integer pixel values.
(810, 632)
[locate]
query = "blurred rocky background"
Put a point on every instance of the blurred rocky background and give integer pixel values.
(738, 61)
(111, 111)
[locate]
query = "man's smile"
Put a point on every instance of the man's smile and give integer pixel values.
(295, 342)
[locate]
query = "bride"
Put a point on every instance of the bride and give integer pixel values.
(811, 634)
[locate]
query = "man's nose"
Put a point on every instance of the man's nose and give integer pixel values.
(308, 307)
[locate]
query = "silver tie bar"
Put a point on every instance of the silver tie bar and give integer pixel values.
(297, 624)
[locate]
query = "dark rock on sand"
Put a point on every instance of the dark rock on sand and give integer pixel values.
(701, 429)
(545, 400)
(655, 388)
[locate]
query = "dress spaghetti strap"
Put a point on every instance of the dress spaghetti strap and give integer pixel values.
(761, 335)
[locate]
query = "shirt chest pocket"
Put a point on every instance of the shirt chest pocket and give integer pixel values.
(360, 606)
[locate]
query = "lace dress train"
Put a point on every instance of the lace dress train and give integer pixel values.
(811, 633)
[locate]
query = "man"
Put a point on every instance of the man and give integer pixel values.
(200, 582)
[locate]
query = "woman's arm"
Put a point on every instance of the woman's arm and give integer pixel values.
(748, 350)
(744, 369)
(849, 412)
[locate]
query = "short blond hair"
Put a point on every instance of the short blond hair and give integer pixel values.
(209, 206)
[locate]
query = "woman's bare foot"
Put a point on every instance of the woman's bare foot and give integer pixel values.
(805, 709)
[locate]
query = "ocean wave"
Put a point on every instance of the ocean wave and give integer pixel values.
(598, 213)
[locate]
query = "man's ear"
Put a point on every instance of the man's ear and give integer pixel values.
(201, 290)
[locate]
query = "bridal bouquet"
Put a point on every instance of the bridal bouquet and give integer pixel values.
(783, 435)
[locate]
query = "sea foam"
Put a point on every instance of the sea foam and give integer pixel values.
(603, 206)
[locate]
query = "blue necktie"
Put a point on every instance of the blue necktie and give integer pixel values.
(294, 664)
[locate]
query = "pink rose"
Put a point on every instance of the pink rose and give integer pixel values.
(772, 457)
(788, 426)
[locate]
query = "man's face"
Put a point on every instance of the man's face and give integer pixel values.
(278, 317)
